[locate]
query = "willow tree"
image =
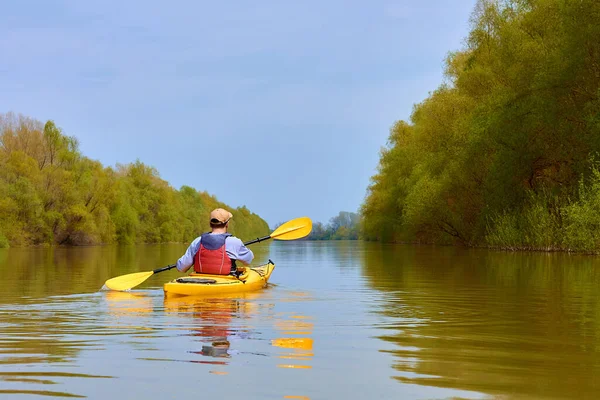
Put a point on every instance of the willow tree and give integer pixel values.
(496, 154)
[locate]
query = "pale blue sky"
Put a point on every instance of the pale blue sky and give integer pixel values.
(281, 106)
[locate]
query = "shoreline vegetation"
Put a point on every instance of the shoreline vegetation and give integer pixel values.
(51, 194)
(344, 226)
(504, 154)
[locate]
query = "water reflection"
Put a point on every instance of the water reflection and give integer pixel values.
(46, 271)
(216, 321)
(39, 272)
(488, 322)
(299, 350)
(38, 335)
(296, 349)
(19, 346)
(130, 314)
(293, 343)
(441, 322)
(128, 304)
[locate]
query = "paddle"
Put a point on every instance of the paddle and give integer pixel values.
(291, 230)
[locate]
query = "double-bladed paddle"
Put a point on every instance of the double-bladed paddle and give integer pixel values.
(291, 230)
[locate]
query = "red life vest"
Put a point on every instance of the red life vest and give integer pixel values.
(211, 257)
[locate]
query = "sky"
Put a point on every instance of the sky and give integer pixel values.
(281, 106)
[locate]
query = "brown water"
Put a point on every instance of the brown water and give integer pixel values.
(341, 320)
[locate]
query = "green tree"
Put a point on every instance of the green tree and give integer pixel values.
(51, 194)
(344, 226)
(495, 155)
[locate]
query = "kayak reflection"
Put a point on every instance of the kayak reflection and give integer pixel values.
(216, 319)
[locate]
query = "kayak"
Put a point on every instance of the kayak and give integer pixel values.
(252, 278)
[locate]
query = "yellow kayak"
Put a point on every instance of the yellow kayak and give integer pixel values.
(252, 278)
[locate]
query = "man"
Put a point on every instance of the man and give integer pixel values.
(217, 251)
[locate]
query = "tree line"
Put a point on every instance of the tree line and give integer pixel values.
(52, 194)
(344, 226)
(505, 152)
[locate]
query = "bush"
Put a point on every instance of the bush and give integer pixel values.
(3, 241)
(538, 226)
(582, 218)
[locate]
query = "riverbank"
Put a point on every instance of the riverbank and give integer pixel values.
(52, 194)
(504, 154)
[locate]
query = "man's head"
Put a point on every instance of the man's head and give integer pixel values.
(219, 218)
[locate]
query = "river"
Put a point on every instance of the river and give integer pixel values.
(340, 320)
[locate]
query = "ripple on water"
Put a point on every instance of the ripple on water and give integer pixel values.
(412, 322)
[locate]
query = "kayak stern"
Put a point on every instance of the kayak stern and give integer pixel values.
(254, 278)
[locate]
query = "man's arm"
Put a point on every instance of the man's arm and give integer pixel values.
(236, 250)
(187, 260)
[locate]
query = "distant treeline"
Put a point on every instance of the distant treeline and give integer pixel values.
(51, 194)
(342, 227)
(505, 152)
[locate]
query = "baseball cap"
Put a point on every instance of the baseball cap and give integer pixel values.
(220, 216)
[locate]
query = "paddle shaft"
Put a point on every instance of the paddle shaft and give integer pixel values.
(168, 267)
(257, 240)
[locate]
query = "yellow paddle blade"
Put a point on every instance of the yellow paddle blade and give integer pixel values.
(126, 282)
(294, 229)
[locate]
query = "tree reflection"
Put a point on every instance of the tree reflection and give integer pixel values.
(491, 322)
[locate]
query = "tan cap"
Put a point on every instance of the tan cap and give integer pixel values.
(220, 216)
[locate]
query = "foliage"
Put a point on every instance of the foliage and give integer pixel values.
(3, 241)
(582, 218)
(344, 226)
(51, 194)
(494, 156)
